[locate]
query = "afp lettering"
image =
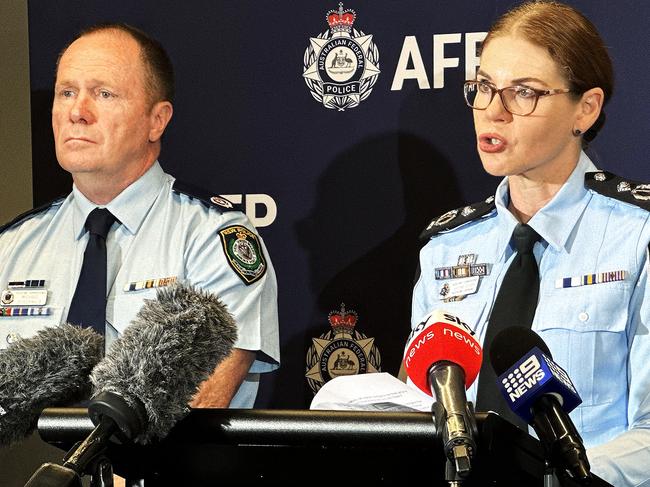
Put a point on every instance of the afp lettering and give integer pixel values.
(412, 56)
(261, 209)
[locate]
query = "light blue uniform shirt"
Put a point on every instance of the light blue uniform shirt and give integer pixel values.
(160, 233)
(598, 333)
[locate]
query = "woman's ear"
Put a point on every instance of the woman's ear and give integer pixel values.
(589, 108)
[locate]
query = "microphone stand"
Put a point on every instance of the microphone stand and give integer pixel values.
(550, 478)
(112, 416)
(564, 449)
(456, 428)
(102, 475)
(459, 468)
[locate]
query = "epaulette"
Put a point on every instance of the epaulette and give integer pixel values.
(621, 189)
(27, 214)
(209, 199)
(457, 217)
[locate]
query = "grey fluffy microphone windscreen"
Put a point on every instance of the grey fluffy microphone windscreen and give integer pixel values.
(50, 368)
(173, 345)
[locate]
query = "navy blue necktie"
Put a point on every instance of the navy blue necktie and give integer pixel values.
(514, 306)
(88, 306)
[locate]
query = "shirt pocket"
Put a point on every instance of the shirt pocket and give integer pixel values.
(585, 330)
(123, 308)
(14, 327)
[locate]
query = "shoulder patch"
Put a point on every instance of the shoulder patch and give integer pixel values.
(243, 252)
(209, 199)
(27, 214)
(621, 189)
(457, 217)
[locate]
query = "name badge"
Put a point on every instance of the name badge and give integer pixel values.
(459, 287)
(24, 297)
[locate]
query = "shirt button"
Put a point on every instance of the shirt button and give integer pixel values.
(583, 316)
(12, 337)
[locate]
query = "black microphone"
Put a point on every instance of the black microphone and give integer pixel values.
(50, 368)
(150, 374)
(540, 392)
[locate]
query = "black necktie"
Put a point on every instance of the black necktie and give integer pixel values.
(514, 306)
(88, 306)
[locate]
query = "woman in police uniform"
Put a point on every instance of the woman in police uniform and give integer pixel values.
(537, 99)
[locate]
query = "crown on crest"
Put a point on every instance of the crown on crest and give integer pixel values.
(341, 20)
(343, 321)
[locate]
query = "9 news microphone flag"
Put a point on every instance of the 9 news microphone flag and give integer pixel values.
(542, 394)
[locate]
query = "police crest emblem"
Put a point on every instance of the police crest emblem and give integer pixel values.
(341, 351)
(341, 65)
(244, 253)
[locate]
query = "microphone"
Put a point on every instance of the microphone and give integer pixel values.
(173, 345)
(50, 368)
(150, 374)
(540, 392)
(442, 359)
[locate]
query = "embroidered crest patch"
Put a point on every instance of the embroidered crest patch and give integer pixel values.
(244, 253)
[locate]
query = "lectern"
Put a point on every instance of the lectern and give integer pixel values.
(230, 447)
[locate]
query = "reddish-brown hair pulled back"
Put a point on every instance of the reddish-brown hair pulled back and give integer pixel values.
(570, 38)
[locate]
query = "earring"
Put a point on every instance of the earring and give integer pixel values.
(577, 132)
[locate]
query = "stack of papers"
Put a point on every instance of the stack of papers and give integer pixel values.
(370, 392)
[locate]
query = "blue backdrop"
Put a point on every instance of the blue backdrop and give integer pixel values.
(338, 195)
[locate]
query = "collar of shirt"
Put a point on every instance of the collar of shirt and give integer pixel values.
(557, 219)
(130, 207)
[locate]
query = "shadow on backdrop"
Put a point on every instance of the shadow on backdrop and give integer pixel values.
(361, 238)
(50, 181)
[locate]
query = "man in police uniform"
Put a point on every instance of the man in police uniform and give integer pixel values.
(112, 103)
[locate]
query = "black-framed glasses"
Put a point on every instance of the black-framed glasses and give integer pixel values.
(518, 100)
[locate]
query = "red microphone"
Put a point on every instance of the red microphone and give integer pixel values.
(442, 359)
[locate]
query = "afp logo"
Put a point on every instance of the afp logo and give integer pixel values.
(523, 378)
(341, 65)
(343, 350)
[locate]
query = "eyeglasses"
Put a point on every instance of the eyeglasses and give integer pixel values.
(518, 100)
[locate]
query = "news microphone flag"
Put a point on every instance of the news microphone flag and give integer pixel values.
(442, 337)
(534, 375)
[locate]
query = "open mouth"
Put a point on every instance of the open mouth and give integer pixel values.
(491, 143)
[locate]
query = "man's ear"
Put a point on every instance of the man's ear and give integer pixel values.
(161, 114)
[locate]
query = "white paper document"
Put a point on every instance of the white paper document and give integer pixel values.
(370, 392)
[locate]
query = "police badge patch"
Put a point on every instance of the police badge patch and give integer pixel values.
(341, 351)
(244, 253)
(341, 65)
